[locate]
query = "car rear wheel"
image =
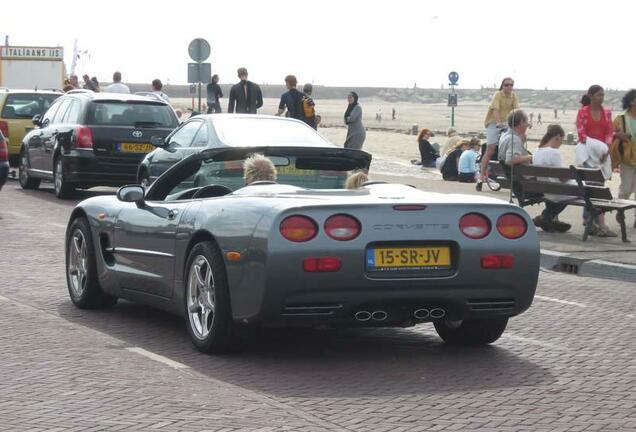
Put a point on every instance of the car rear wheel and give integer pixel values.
(26, 181)
(63, 189)
(207, 301)
(81, 269)
(471, 332)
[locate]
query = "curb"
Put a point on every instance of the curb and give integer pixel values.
(596, 268)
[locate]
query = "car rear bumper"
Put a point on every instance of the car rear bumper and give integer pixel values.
(85, 168)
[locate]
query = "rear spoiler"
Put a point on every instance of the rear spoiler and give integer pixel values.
(359, 159)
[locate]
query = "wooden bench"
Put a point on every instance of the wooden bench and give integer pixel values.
(529, 190)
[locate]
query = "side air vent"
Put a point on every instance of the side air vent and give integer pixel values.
(486, 305)
(315, 309)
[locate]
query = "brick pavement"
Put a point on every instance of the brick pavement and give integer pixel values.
(567, 364)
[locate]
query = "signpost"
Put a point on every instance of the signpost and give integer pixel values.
(199, 72)
(453, 77)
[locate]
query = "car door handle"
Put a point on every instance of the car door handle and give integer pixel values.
(172, 214)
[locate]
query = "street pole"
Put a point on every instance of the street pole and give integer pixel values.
(199, 96)
(452, 108)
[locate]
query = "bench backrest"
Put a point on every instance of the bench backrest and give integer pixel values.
(526, 177)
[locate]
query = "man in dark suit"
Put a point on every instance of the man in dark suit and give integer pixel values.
(246, 95)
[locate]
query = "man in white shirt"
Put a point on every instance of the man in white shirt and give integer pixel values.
(117, 86)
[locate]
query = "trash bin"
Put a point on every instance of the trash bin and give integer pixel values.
(569, 139)
(414, 129)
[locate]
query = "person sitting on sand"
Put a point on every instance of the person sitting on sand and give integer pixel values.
(448, 167)
(467, 165)
(428, 154)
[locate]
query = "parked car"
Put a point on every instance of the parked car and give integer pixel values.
(17, 108)
(224, 130)
(4, 160)
(224, 255)
(88, 139)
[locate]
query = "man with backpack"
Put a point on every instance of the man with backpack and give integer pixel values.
(292, 100)
(309, 107)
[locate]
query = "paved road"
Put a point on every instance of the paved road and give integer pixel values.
(567, 364)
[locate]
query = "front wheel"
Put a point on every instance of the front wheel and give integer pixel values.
(207, 301)
(26, 181)
(63, 189)
(471, 332)
(493, 184)
(81, 269)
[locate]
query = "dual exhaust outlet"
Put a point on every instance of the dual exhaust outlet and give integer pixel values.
(418, 314)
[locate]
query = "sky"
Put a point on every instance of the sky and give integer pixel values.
(349, 43)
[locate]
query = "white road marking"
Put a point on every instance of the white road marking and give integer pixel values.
(158, 358)
(554, 300)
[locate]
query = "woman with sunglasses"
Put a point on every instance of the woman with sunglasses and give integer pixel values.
(503, 102)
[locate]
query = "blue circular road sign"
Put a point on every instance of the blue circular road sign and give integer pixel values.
(453, 77)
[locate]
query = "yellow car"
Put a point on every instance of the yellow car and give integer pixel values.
(17, 108)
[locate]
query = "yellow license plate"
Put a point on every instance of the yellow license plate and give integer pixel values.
(136, 148)
(409, 257)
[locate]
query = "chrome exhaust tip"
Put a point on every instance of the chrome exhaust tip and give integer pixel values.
(421, 314)
(363, 315)
(437, 313)
(379, 315)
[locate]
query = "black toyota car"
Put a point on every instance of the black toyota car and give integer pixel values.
(88, 139)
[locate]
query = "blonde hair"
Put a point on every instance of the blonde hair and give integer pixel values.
(355, 180)
(258, 168)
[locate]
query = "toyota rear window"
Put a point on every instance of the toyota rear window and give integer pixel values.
(134, 114)
(25, 106)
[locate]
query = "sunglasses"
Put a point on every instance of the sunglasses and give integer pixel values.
(508, 85)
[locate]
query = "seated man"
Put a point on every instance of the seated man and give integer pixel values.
(513, 152)
(258, 168)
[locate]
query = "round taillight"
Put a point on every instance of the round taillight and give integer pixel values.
(342, 227)
(298, 228)
(474, 225)
(511, 226)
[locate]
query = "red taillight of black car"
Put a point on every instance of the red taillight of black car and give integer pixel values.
(4, 151)
(83, 137)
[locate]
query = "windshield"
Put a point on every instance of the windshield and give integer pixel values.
(135, 114)
(324, 168)
(247, 132)
(25, 106)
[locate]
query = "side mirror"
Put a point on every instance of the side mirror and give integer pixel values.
(131, 193)
(157, 141)
(36, 120)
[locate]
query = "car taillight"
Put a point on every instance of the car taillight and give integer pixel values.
(511, 226)
(298, 228)
(322, 264)
(4, 152)
(474, 225)
(497, 261)
(84, 137)
(4, 128)
(342, 227)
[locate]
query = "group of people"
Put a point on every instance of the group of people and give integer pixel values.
(603, 143)
(246, 97)
(117, 86)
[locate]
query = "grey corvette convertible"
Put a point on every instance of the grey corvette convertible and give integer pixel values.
(303, 251)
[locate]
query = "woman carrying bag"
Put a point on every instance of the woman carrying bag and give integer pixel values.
(623, 148)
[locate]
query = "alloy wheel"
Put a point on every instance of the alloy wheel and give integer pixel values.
(78, 263)
(59, 175)
(201, 299)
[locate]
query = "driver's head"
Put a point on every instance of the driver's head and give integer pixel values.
(258, 168)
